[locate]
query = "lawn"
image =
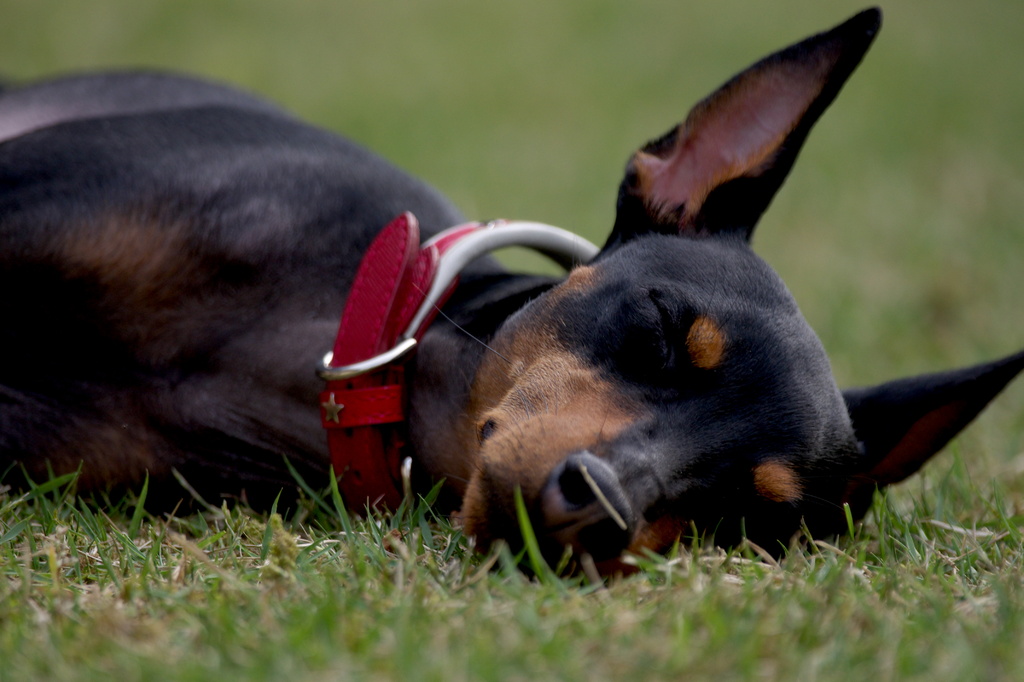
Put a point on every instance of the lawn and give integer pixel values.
(900, 233)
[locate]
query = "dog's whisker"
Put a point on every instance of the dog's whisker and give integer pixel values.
(462, 329)
(452, 477)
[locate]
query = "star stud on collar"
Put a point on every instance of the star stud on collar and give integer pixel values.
(332, 410)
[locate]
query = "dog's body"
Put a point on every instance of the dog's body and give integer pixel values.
(178, 254)
(175, 256)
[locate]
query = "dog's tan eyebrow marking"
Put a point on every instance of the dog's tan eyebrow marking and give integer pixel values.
(706, 343)
(580, 278)
(777, 482)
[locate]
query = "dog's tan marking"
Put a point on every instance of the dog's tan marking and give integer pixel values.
(545, 402)
(579, 279)
(777, 482)
(556, 408)
(168, 298)
(143, 262)
(659, 534)
(108, 452)
(706, 343)
(145, 266)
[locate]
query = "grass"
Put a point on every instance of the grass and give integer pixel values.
(228, 594)
(899, 232)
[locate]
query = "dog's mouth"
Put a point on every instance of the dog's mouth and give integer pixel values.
(580, 512)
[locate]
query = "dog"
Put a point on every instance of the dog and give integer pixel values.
(175, 254)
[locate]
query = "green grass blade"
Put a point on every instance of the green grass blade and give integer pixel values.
(140, 510)
(538, 564)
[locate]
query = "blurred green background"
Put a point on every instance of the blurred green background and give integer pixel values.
(901, 230)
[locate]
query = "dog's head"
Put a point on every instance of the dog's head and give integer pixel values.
(672, 385)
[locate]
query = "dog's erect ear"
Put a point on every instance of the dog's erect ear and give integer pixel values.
(901, 424)
(718, 170)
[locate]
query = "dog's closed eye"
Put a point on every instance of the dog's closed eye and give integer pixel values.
(646, 346)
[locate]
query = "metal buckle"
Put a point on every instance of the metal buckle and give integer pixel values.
(328, 373)
(562, 246)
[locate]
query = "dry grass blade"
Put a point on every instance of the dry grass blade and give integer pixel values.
(604, 502)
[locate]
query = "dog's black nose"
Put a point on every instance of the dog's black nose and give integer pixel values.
(584, 506)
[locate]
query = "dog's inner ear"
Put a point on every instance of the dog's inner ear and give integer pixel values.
(901, 424)
(718, 170)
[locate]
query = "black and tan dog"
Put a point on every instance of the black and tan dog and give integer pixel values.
(175, 254)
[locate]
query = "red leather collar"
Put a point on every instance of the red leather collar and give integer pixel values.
(396, 293)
